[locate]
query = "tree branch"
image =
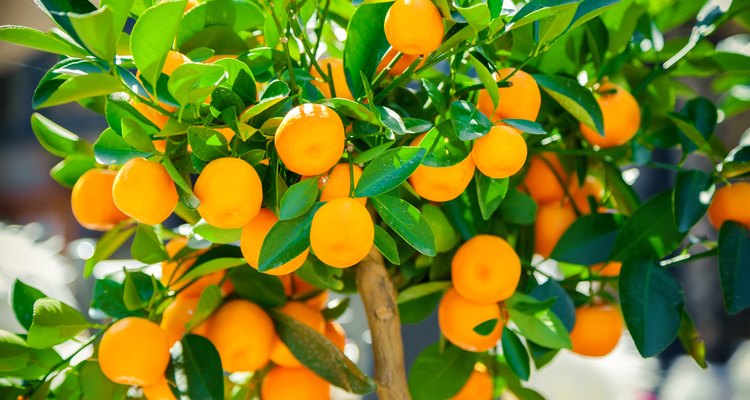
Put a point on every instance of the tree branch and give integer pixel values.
(379, 298)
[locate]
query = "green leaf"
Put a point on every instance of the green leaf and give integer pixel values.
(386, 245)
(525, 125)
(147, 247)
(370, 154)
(574, 98)
(216, 235)
(314, 272)
(703, 142)
(691, 340)
(515, 354)
(490, 193)
(286, 240)
(444, 147)
(56, 139)
(407, 222)
(96, 31)
(388, 171)
(437, 374)
(111, 148)
(37, 40)
(197, 368)
(468, 122)
(138, 289)
(563, 306)
(107, 297)
(691, 197)
(391, 120)
(651, 230)
(551, 27)
(194, 82)
(412, 312)
(41, 361)
(535, 10)
(477, 16)
(589, 240)
(518, 208)
(207, 144)
(626, 198)
(653, 303)
(736, 163)
(107, 245)
(317, 353)
(298, 199)
(590, 9)
(445, 236)
(23, 299)
(67, 171)
(54, 322)
(211, 266)
(58, 11)
(14, 354)
(182, 181)
(262, 289)
(76, 88)
(365, 44)
(539, 325)
(351, 109)
(136, 136)
(95, 385)
(421, 290)
(486, 327)
(436, 97)
(120, 12)
(153, 35)
(734, 266)
(209, 301)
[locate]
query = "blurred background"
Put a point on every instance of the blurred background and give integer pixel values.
(41, 244)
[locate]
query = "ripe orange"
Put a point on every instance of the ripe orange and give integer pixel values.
(478, 387)
(156, 118)
(441, 183)
(339, 78)
(280, 354)
(310, 139)
(177, 315)
(552, 220)
(336, 334)
(293, 384)
(485, 269)
(580, 194)
(521, 100)
(611, 268)
(190, 4)
(458, 316)
(145, 191)
(414, 26)
(597, 330)
(158, 391)
(92, 203)
(342, 232)
(338, 183)
(171, 271)
(295, 287)
(243, 334)
(134, 351)
(541, 181)
(251, 241)
(401, 65)
(228, 133)
(621, 116)
(173, 61)
(500, 153)
(730, 203)
(230, 192)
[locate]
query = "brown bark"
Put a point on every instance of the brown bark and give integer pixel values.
(379, 298)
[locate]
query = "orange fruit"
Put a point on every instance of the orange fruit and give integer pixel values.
(338, 75)
(251, 241)
(338, 183)
(307, 130)
(500, 153)
(521, 100)
(280, 354)
(92, 203)
(580, 194)
(228, 133)
(156, 118)
(342, 232)
(541, 182)
(243, 334)
(597, 330)
(611, 268)
(295, 287)
(177, 315)
(158, 391)
(414, 26)
(293, 384)
(173, 61)
(134, 351)
(485, 269)
(336, 334)
(441, 183)
(621, 116)
(401, 65)
(190, 4)
(730, 203)
(458, 316)
(230, 192)
(552, 220)
(145, 191)
(171, 271)
(478, 387)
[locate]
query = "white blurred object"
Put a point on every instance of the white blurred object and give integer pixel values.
(621, 375)
(36, 263)
(685, 380)
(739, 372)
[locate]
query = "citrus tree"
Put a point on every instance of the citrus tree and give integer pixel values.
(425, 155)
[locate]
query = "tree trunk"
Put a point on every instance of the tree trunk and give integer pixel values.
(379, 298)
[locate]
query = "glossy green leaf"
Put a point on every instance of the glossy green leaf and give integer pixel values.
(574, 98)
(538, 324)
(37, 40)
(551, 27)
(589, 240)
(207, 144)
(194, 82)
(486, 327)
(444, 147)
(407, 222)
(468, 122)
(651, 230)
(388, 171)
(54, 322)
(446, 237)
(421, 290)
(197, 368)
(590, 9)
(263, 289)
(365, 43)
(691, 340)
(216, 235)
(56, 139)
(112, 148)
(490, 193)
(351, 109)
(386, 245)
(286, 240)
(298, 199)
(518, 208)
(153, 35)
(14, 354)
(138, 289)
(147, 247)
(107, 245)
(691, 197)
(734, 266)
(58, 11)
(515, 354)
(211, 266)
(525, 125)
(413, 312)
(536, 10)
(107, 298)
(563, 305)
(76, 88)
(96, 31)
(437, 374)
(23, 299)
(67, 171)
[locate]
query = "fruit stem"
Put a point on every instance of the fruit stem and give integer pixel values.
(379, 299)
